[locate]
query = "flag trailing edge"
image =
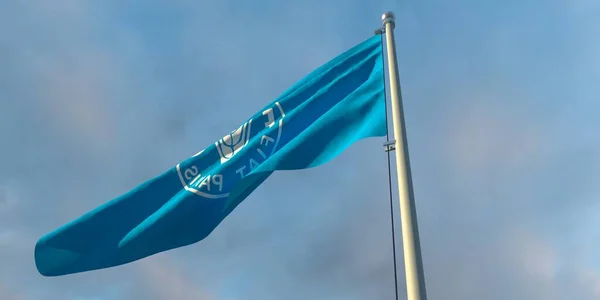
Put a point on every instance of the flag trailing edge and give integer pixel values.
(311, 123)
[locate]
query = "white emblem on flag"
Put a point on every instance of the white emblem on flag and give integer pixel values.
(215, 185)
(232, 143)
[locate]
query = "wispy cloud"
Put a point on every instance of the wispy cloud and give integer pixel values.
(164, 278)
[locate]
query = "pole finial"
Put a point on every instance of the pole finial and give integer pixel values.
(388, 17)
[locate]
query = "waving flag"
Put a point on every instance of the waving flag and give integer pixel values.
(315, 120)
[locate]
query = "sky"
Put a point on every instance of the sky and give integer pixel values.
(500, 100)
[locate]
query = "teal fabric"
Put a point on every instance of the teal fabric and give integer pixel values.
(315, 120)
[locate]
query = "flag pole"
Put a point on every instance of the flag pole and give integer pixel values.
(413, 262)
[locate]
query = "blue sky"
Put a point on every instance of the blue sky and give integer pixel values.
(500, 99)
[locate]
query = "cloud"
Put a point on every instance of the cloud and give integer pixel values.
(6, 295)
(72, 74)
(482, 134)
(536, 257)
(162, 279)
(8, 198)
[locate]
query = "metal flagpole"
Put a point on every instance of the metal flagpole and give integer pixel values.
(413, 263)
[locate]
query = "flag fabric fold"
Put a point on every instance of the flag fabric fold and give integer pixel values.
(311, 123)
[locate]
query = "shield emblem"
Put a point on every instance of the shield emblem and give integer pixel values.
(234, 142)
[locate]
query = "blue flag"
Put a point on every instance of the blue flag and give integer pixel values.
(315, 120)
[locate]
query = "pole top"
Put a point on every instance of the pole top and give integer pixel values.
(388, 17)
